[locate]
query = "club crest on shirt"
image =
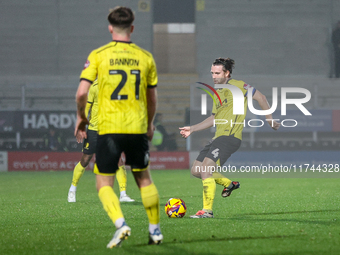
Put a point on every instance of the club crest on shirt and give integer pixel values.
(246, 86)
(87, 63)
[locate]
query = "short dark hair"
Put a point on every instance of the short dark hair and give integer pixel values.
(121, 17)
(227, 63)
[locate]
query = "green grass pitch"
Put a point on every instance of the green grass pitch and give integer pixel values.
(265, 216)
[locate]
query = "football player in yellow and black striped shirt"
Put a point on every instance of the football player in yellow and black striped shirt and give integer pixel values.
(89, 148)
(227, 139)
(127, 97)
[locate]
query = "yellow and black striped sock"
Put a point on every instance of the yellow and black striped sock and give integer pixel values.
(110, 203)
(150, 200)
(77, 174)
(209, 189)
(221, 179)
(121, 178)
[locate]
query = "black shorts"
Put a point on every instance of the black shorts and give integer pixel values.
(110, 147)
(220, 149)
(90, 143)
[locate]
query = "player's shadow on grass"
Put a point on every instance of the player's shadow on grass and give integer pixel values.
(161, 249)
(325, 222)
(249, 217)
(278, 213)
(215, 239)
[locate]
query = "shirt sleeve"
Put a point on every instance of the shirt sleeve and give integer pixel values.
(246, 88)
(90, 68)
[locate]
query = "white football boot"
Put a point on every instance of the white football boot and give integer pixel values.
(120, 235)
(156, 237)
(71, 198)
(126, 198)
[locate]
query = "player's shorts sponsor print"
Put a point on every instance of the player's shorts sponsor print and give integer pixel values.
(220, 149)
(110, 147)
(90, 143)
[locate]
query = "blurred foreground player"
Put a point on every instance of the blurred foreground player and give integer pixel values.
(127, 97)
(89, 148)
(227, 139)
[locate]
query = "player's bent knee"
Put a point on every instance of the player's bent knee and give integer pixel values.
(196, 169)
(85, 160)
(142, 178)
(195, 172)
(104, 180)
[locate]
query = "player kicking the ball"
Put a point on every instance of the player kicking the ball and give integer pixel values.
(227, 139)
(89, 148)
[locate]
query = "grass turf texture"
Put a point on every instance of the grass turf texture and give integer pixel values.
(265, 216)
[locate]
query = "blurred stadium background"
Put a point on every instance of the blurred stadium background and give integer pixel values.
(275, 43)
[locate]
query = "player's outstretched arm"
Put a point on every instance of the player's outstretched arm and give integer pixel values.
(207, 123)
(81, 99)
(262, 100)
(185, 131)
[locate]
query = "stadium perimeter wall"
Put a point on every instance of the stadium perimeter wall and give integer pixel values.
(55, 161)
